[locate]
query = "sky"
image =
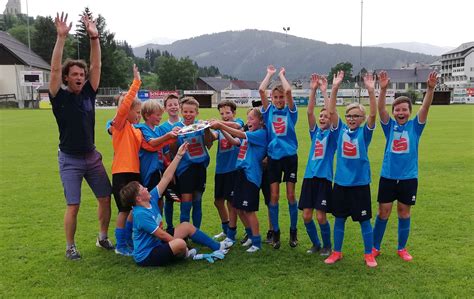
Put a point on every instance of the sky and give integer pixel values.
(333, 21)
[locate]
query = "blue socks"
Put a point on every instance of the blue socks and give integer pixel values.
(231, 232)
(367, 235)
(326, 234)
(203, 239)
(312, 233)
(185, 211)
(169, 213)
(339, 226)
(248, 231)
(197, 209)
(379, 230)
(225, 227)
(256, 240)
(274, 210)
(403, 232)
(128, 233)
(120, 238)
(293, 208)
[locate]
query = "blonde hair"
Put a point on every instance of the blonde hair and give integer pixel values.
(354, 106)
(150, 107)
(119, 98)
(278, 87)
(189, 101)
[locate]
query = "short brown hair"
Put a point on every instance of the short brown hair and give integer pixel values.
(189, 101)
(257, 112)
(278, 87)
(170, 97)
(70, 63)
(150, 107)
(227, 103)
(400, 100)
(129, 193)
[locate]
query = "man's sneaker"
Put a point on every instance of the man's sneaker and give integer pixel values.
(244, 239)
(226, 244)
(325, 251)
(191, 253)
(125, 251)
(334, 257)
(105, 243)
(220, 235)
(293, 237)
(313, 249)
(370, 260)
(403, 253)
(72, 253)
(247, 243)
(375, 252)
(276, 240)
(252, 249)
(269, 238)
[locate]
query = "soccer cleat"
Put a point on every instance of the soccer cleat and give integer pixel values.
(244, 239)
(403, 253)
(220, 235)
(334, 257)
(247, 243)
(276, 240)
(105, 243)
(229, 240)
(226, 244)
(370, 260)
(293, 238)
(269, 238)
(72, 253)
(191, 253)
(125, 251)
(313, 249)
(375, 252)
(325, 251)
(252, 249)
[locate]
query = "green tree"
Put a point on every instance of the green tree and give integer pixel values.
(344, 66)
(175, 74)
(20, 32)
(44, 38)
(149, 81)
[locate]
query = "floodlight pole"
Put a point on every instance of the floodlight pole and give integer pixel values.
(286, 29)
(360, 48)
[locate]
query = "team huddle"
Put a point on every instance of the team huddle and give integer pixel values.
(156, 166)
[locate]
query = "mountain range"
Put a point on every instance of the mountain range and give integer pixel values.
(246, 54)
(417, 48)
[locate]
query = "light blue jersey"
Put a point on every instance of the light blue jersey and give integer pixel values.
(353, 167)
(150, 162)
(321, 154)
(400, 161)
(145, 222)
(226, 157)
(252, 150)
(281, 131)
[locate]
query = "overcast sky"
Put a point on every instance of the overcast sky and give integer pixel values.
(446, 23)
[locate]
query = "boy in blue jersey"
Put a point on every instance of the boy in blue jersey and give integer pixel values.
(224, 179)
(399, 176)
(152, 245)
(191, 171)
(252, 150)
(280, 118)
(317, 184)
(351, 194)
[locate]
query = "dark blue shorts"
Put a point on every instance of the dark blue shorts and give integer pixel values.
(402, 190)
(119, 180)
(246, 193)
(288, 166)
(265, 186)
(193, 179)
(224, 185)
(161, 255)
(352, 201)
(74, 168)
(316, 194)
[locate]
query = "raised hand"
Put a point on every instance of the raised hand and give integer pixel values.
(136, 73)
(432, 80)
(369, 81)
(91, 26)
(61, 25)
(314, 82)
(182, 149)
(282, 71)
(337, 80)
(271, 70)
(383, 79)
(323, 83)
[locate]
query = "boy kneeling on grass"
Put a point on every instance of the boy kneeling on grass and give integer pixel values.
(153, 246)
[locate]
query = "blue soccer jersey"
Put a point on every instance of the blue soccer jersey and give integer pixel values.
(280, 125)
(353, 167)
(400, 161)
(150, 162)
(197, 150)
(226, 157)
(145, 222)
(321, 154)
(252, 150)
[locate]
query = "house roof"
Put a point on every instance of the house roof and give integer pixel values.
(216, 83)
(242, 84)
(21, 52)
(461, 48)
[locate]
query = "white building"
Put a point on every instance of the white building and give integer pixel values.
(457, 66)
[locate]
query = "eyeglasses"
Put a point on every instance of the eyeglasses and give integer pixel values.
(353, 116)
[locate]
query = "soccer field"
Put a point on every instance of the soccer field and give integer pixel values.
(32, 242)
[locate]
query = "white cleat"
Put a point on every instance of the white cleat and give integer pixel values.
(226, 244)
(247, 243)
(220, 235)
(253, 249)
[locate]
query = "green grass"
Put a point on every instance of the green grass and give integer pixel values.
(32, 238)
